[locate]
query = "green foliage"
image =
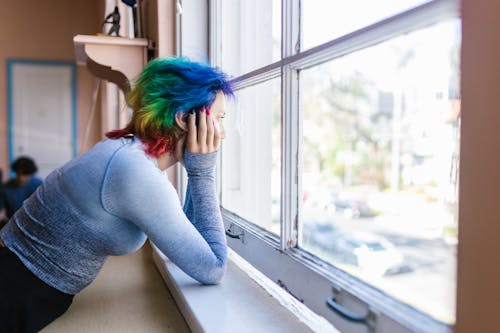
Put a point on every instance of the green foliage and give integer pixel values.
(339, 127)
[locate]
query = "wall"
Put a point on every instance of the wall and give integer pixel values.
(159, 25)
(44, 30)
(478, 296)
(166, 28)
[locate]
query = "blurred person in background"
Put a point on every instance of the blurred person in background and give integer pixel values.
(16, 190)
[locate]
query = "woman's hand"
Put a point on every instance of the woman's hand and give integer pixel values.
(203, 138)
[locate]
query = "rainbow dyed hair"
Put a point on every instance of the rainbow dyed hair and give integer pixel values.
(165, 87)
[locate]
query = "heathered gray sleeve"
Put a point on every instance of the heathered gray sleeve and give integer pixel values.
(188, 204)
(146, 198)
(201, 195)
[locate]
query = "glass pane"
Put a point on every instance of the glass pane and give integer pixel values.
(380, 165)
(251, 149)
(251, 34)
(342, 17)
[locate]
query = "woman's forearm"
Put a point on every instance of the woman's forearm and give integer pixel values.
(188, 205)
(202, 203)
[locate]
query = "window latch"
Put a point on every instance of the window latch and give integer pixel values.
(368, 319)
(231, 233)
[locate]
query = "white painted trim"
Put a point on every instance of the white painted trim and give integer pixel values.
(413, 19)
(215, 32)
(178, 27)
(215, 58)
(108, 40)
(313, 281)
(237, 304)
(290, 125)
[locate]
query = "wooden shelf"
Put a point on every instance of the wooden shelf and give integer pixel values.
(116, 59)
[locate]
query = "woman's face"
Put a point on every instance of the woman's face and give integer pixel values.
(218, 112)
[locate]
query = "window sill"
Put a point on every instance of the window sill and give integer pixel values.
(237, 304)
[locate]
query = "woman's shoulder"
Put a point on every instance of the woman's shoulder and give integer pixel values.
(109, 156)
(113, 149)
(131, 160)
(131, 174)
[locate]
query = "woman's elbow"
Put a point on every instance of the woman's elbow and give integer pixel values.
(214, 276)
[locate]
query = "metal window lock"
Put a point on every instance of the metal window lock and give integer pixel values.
(369, 319)
(231, 233)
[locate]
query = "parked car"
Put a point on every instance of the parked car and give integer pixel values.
(370, 253)
(318, 235)
(353, 208)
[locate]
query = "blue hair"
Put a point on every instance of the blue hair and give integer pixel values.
(165, 87)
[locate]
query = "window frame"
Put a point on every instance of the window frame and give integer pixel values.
(303, 275)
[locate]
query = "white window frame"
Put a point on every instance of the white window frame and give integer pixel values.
(303, 275)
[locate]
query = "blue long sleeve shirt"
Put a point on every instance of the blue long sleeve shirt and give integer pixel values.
(107, 202)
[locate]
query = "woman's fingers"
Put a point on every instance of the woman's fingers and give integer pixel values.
(202, 131)
(210, 131)
(192, 143)
(204, 134)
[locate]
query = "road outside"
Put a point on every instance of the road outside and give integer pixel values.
(426, 278)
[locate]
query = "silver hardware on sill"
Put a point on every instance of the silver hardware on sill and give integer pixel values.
(369, 319)
(230, 232)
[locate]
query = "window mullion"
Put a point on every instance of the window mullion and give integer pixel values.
(215, 54)
(397, 25)
(215, 32)
(178, 27)
(180, 171)
(290, 126)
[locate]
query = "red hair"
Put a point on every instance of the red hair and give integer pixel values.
(156, 143)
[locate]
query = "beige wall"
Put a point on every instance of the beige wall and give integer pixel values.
(478, 296)
(44, 30)
(159, 25)
(166, 28)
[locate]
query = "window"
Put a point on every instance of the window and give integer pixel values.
(251, 36)
(380, 151)
(325, 20)
(339, 171)
(256, 110)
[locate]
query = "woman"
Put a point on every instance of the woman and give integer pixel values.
(108, 200)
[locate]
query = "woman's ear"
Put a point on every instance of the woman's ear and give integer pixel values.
(181, 120)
